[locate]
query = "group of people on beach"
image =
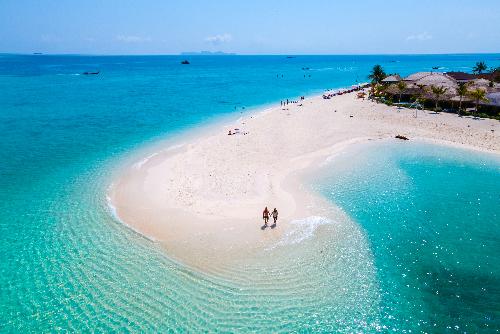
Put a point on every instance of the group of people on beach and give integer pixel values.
(285, 103)
(236, 132)
(266, 214)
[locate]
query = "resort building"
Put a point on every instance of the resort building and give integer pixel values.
(421, 84)
(394, 78)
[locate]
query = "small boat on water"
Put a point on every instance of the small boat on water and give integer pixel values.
(91, 73)
(185, 62)
(435, 68)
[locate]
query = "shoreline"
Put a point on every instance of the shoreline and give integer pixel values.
(142, 194)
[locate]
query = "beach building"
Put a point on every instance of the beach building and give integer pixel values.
(461, 77)
(391, 79)
(431, 79)
(421, 85)
(416, 76)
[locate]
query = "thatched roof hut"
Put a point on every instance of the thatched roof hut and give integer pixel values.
(480, 83)
(438, 80)
(416, 76)
(421, 83)
(392, 89)
(392, 79)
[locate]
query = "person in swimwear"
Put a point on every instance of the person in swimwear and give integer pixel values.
(265, 216)
(275, 215)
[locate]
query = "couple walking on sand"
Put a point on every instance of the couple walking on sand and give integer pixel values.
(266, 214)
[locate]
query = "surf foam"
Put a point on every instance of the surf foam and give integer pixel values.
(302, 229)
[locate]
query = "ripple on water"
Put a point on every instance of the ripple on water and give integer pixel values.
(92, 272)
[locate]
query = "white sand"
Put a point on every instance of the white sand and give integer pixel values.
(203, 201)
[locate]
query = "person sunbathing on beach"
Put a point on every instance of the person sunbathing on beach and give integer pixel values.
(265, 216)
(275, 215)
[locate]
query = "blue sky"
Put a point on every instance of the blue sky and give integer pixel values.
(250, 27)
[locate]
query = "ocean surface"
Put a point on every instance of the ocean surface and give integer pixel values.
(432, 217)
(419, 251)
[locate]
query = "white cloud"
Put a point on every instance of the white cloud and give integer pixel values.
(132, 39)
(219, 39)
(424, 36)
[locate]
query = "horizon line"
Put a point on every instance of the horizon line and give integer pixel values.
(228, 54)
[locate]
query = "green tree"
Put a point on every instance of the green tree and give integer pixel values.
(419, 101)
(377, 74)
(438, 91)
(379, 89)
(478, 95)
(420, 98)
(480, 67)
(461, 92)
(401, 89)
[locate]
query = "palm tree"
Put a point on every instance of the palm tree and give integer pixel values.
(380, 89)
(480, 67)
(420, 98)
(438, 92)
(461, 92)
(478, 95)
(401, 89)
(419, 101)
(377, 74)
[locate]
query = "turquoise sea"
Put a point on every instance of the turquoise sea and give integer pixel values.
(420, 253)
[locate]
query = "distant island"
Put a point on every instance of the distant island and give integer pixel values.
(207, 53)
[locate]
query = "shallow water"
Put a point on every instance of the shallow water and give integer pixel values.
(68, 264)
(431, 215)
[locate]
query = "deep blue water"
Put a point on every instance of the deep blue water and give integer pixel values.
(66, 264)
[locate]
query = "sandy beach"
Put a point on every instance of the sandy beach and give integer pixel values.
(202, 200)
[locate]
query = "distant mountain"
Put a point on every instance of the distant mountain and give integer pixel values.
(207, 53)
